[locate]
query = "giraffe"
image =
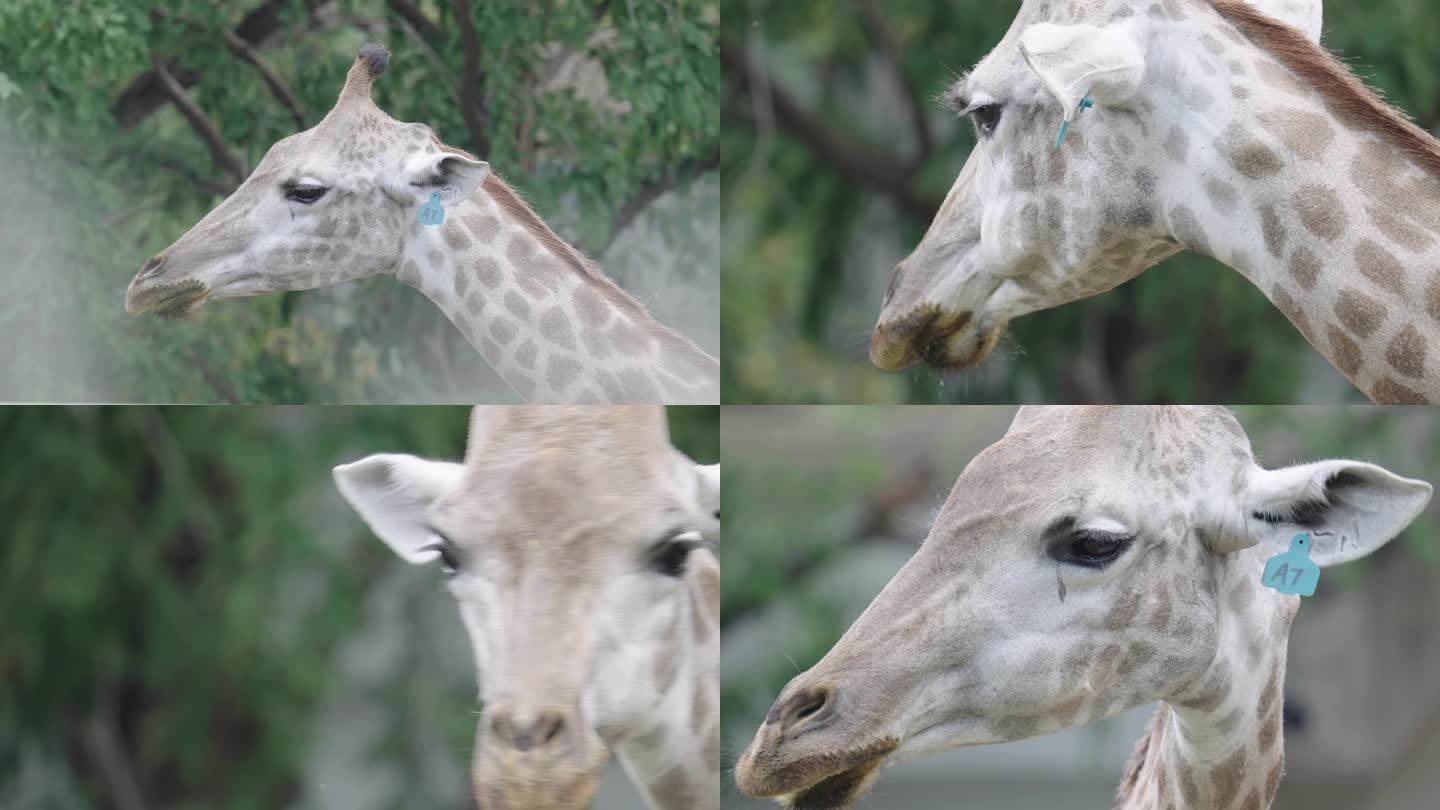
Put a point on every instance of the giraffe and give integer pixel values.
(340, 202)
(579, 546)
(1215, 128)
(1092, 560)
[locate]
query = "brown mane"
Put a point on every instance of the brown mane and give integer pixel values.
(1346, 94)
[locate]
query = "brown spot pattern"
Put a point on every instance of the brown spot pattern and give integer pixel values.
(1360, 313)
(1273, 231)
(455, 236)
(517, 304)
(1406, 352)
(1292, 310)
(1249, 156)
(1321, 211)
(1343, 351)
(561, 372)
(555, 327)
(1380, 266)
(1389, 392)
(487, 270)
(525, 355)
(1305, 267)
(1308, 135)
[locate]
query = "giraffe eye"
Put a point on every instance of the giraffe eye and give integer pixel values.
(303, 194)
(986, 118)
(1089, 548)
(669, 556)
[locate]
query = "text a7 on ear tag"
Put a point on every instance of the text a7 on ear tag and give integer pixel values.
(432, 212)
(1292, 571)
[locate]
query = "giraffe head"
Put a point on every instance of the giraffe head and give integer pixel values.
(573, 539)
(1030, 225)
(333, 203)
(1092, 560)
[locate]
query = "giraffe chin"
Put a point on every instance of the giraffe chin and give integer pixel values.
(833, 792)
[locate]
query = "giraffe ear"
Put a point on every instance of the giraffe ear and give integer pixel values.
(1074, 60)
(393, 494)
(454, 176)
(1350, 508)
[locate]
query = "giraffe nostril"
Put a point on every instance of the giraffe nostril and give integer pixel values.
(522, 736)
(813, 705)
(550, 728)
(151, 265)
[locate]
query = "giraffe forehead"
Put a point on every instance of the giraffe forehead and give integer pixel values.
(338, 145)
(570, 476)
(1125, 464)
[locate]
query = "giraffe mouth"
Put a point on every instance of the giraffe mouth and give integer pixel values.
(944, 342)
(840, 790)
(831, 779)
(171, 301)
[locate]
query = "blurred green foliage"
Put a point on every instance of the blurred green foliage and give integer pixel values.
(92, 195)
(179, 580)
(811, 238)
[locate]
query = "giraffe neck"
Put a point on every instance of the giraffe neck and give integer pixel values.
(675, 757)
(1218, 743)
(552, 328)
(1335, 224)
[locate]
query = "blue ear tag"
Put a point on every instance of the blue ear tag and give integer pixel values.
(1085, 103)
(1292, 571)
(432, 213)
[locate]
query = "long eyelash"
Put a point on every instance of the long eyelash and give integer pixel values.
(1096, 534)
(1302, 513)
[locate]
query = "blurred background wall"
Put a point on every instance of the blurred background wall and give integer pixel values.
(825, 504)
(604, 115)
(191, 618)
(835, 159)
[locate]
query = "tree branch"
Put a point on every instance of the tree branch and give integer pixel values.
(885, 40)
(114, 766)
(472, 80)
(190, 174)
(416, 18)
(442, 73)
(651, 191)
(277, 85)
(213, 379)
(146, 94)
(875, 169)
(200, 122)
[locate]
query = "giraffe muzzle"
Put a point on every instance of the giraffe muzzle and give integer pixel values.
(546, 760)
(167, 298)
(941, 340)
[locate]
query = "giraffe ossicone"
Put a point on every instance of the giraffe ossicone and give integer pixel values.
(362, 194)
(580, 548)
(1157, 523)
(1220, 127)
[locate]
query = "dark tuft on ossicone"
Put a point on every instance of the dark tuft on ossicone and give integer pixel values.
(375, 57)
